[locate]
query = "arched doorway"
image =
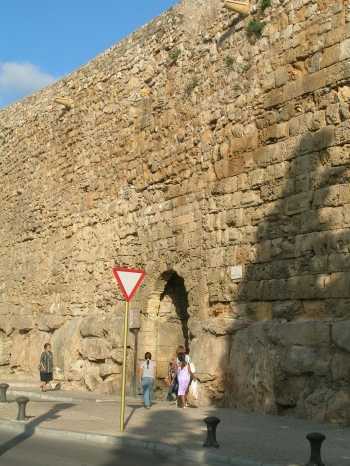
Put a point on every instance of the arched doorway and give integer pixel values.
(173, 308)
(166, 321)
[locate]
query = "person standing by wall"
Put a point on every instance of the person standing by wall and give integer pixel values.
(174, 364)
(147, 377)
(184, 377)
(46, 367)
(172, 381)
(182, 350)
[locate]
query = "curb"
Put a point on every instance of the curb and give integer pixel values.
(40, 396)
(202, 457)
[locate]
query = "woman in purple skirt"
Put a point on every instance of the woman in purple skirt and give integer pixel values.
(184, 377)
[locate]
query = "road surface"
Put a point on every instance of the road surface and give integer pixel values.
(15, 450)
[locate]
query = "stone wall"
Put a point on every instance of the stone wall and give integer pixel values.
(194, 148)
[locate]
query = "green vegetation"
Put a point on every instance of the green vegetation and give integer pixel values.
(229, 62)
(255, 27)
(191, 86)
(174, 55)
(265, 4)
(244, 67)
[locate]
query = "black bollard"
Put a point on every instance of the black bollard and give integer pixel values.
(315, 440)
(3, 390)
(212, 423)
(22, 403)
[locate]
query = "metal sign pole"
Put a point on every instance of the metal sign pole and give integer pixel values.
(134, 388)
(126, 329)
(129, 281)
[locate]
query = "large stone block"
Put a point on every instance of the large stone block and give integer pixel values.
(93, 326)
(341, 367)
(66, 343)
(288, 393)
(285, 309)
(298, 203)
(6, 324)
(304, 333)
(5, 351)
(108, 368)
(341, 334)
(92, 376)
(210, 356)
(338, 408)
(299, 360)
(49, 322)
(95, 349)
(23, 323)
(251, 369)
(314, 405)
(221, 326)
(110, 385)
(115, 330)
(76, 371)
(26, 351)
(117, 355)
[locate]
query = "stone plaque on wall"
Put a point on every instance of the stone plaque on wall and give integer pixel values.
(134, 319)
(236, 272)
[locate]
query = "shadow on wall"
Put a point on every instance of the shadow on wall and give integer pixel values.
(291, 356)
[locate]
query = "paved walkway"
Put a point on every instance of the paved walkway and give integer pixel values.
(260, 438)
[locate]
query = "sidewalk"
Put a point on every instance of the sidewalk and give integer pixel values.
(244, 438)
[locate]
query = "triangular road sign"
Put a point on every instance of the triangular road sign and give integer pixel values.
(129, 280)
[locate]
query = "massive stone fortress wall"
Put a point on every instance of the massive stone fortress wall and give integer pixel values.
(203, 153)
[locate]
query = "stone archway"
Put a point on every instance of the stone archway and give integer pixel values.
(165, 324)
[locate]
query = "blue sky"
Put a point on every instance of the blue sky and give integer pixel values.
(41, 40)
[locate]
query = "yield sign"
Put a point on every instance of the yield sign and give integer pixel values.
(129, 280)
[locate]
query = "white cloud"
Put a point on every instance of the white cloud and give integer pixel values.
(20, 79)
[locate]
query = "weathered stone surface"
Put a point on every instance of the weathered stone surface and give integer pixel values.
(92, 377)
(305, 333)
(231, 153)
(340, 334)
(170, 335)
(6, 325)
(5, 348)
(300, 360)
(224, 326)
(117, 355)
(93, 327)
(339, 408)
(49, 323)
(316, 404)
(66, 345)
(76, 371)
(23, 323)
(26, 350)
(115, 327)
(210, 367)
(95, 349)
(109, 369)
(109, 386)
(251, 369)
(341, 367)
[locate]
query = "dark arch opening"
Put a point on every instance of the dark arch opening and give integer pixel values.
(176, 294)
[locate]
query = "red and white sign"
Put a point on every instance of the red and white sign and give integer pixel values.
(129, 280)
